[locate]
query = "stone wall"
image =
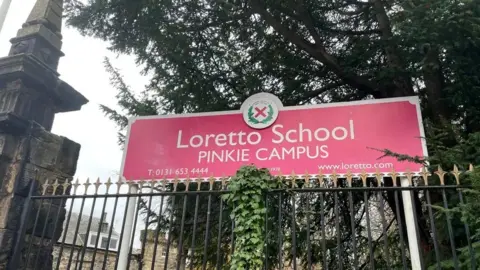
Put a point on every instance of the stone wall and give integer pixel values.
(160, 252)
(75, 253)
(34, 155)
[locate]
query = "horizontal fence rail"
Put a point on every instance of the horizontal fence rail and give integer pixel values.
(347, 221)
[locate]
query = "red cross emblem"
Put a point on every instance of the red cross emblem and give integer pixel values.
(260, 112)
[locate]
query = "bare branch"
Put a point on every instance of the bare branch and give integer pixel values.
(319, 91)
(403, 83)
(307, 19)
(353, 32)
(317, 51)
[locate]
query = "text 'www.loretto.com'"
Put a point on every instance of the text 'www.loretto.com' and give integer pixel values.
(347, 166)
(356, 166)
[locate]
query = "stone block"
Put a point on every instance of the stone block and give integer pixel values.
(37, 256)
(26, 33)
(3, 174)
(44, 149)
(15, 98)
(46, 181)
(67, 157)
(45, 10)
(19, 182)
(30, 69)
(49, 223)
(6, 246)
(17, 178)
(41, 176)
(10, 211)
(13, 124)
(8, 146)
(45, 218)
(56, 153)
(37, 75)
(50, 157)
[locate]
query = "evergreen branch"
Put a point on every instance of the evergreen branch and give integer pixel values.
(124, 96)
(400, 157)
(119, 119)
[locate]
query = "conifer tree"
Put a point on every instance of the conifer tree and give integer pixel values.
(210, 55)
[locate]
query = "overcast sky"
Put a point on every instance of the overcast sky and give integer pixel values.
(82, 67)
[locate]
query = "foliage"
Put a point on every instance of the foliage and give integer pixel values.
(130, 104)
(209, 55)
(457, 207)
(465, 210)
(247, 199)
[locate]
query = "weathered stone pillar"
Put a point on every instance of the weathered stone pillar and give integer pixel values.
(30, 95)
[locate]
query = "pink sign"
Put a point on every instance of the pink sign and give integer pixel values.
(332, 137)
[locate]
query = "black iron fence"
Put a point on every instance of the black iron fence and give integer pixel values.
(316, 222)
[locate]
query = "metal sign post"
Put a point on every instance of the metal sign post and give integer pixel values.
(411, 227)
(128, 233)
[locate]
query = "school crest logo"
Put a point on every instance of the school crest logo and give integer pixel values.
(260, 111)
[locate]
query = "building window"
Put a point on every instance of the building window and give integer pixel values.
(113, 244)
(93, 240)
(103, 243)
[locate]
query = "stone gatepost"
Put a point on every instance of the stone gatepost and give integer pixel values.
(31, 93)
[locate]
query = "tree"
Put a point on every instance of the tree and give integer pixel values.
(210, 55)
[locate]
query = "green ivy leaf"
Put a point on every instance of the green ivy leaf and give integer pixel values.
(247, 189)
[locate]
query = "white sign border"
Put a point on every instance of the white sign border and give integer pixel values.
(411, 99)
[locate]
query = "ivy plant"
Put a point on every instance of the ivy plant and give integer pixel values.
(247, 197)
